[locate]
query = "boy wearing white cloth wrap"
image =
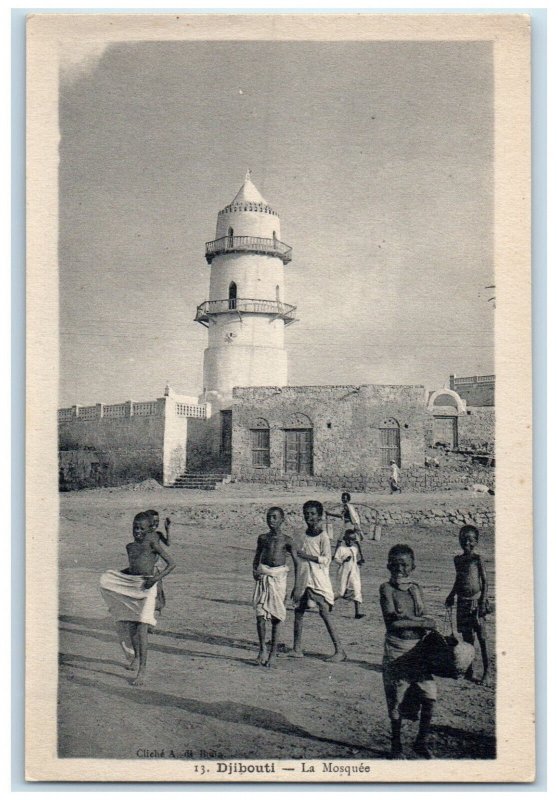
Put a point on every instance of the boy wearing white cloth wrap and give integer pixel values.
(131, 594)
(270, 572)
(313, 582)
(348, 575)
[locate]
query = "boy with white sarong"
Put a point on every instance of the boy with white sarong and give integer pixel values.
(348, 576)
(131, 594)
(270, 572)
(313, 582)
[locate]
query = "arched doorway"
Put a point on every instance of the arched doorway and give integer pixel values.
(230, 236)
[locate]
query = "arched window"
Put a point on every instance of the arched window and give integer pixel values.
(274, 240)
(232, 294)
(390, 442)
(278, 294)
(231, 237)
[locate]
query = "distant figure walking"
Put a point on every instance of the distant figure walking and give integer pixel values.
(394, 477)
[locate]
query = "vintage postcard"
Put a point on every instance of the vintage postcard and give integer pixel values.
(279, 521)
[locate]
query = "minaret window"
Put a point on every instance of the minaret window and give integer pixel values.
(232, 294)
(231, 237)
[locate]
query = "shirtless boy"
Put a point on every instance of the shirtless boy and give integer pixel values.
(270, 573)
(131, 594)
(471, 588)
(313, 582)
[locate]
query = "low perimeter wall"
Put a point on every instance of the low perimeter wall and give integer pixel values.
(474, 510)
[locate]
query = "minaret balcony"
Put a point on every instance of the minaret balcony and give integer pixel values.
(206, 312)
(248, 244)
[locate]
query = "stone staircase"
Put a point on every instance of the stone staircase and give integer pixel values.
(207, 481)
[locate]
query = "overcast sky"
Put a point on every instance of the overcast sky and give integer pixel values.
(378, 158)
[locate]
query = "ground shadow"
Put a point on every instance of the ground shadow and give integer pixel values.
(471, 744)
(65, 658)
(225, 711)
(225, 602)
(97, 626)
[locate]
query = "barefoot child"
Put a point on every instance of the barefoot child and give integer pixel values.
(470, 588)
(313, 582)
(351, 519)
(347, 557)
(131, 594)
(270, 573)
(164, 538)
(405, 677)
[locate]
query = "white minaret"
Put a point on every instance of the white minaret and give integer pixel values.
(246, 314)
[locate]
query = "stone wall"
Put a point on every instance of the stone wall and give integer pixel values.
(477, 429)
(345, 423)
(476, 390)
(128, 448)
(475, 510)
(130, 441)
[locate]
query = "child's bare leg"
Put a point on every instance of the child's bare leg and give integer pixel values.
(484, 654)
(421, 745)
(298, 624)
(141, 639)
(359, 613)
(134, 661)
(360, 556)
(124, 638)
(396, 747)
(469, 637)
(262, 655)
(339, 654)
(275, 623)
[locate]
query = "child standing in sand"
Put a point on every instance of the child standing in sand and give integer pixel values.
(313, 582)
(270, 573)
(348, 576)
(164, 538)
(406, 679)
(131, 594)
(471, 588)
(351, 520)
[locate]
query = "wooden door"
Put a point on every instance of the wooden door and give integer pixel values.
(390, 448)
(298, 451)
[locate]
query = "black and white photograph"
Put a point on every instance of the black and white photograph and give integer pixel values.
(275, 392)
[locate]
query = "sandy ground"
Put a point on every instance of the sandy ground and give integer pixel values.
(205, 697)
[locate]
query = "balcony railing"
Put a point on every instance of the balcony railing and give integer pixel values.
(241, 305)
(248, 244)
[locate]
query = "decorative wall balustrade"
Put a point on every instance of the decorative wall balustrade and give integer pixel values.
(150, 408)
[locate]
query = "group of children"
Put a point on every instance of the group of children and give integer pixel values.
(135, 596)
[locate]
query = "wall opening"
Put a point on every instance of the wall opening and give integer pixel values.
(232, 294)
(444, 431)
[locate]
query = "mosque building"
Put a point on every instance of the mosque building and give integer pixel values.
(248, 422)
